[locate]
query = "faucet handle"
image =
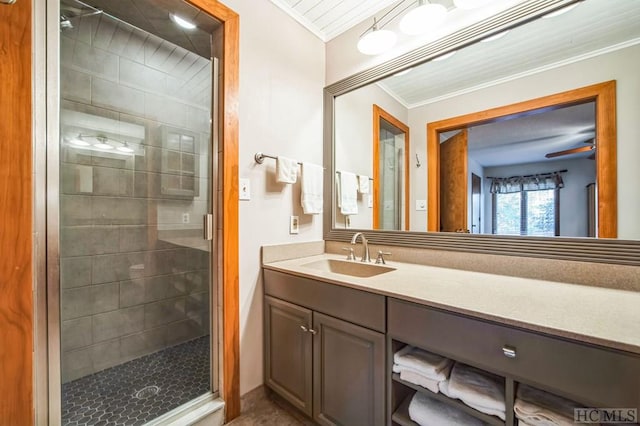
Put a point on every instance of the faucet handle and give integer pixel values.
(350, 255)
(381, 255)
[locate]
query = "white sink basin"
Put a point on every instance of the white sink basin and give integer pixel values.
(348, 267)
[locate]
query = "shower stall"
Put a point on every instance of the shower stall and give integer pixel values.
(137, 158)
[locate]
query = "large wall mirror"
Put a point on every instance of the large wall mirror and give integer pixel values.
(525, 136)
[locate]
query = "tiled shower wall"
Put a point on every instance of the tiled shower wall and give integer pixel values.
(134, 275)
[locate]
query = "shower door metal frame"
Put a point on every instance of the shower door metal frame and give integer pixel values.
(46, 259)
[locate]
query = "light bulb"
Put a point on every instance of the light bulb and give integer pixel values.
(471, 4)
(103, 143)
(377, 41)
(125, 148)
(423, 18)
(79, 141)
(187, 25)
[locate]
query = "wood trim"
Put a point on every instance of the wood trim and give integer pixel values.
(230, 388)
(604, 95)
(16, 210)
(379, 113)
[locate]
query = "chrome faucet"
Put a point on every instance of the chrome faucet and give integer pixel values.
(365, 246)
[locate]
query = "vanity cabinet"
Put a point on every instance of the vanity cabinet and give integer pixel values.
(590, 375)
(325, 349)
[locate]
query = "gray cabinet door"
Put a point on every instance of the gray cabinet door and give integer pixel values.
(287, 350)
(348, 373)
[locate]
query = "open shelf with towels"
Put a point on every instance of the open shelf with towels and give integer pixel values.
(401, 415)
(402, 392)
(587, 374)
(490, 420)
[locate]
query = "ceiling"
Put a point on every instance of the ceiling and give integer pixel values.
(591, 26)
(329, 18)
(153, 16)
(528, 139)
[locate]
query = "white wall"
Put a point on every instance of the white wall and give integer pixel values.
(281, 81)
(573, 197)
(354, 140)
(621, 65)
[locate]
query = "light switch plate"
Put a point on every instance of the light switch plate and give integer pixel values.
(294, 223)
(245, 189)
(421, 205)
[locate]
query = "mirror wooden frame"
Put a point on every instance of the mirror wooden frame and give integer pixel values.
(604, 96)
(624, 252)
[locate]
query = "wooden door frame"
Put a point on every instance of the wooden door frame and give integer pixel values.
(379, 113)
(228, 196)
(16, 214)
(604, 96)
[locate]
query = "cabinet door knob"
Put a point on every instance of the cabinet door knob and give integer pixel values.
(312, 331)
(303, 328)
(509, 351)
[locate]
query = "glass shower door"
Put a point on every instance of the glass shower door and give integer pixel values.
(136, 181)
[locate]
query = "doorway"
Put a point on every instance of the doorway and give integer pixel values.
(172, 165)
(604, 143)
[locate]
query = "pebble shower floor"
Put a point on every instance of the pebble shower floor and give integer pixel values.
(141, 390)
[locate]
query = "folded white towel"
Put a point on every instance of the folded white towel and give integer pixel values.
(430, 365)
(286, 170)
(539, 408)
(417, 378)
(348, 193)
(427, 412)
(363, 184)
(443, 386)
(311, 197)
(478, 389)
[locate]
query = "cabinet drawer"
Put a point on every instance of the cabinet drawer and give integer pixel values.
(591, 375)
(358, 307)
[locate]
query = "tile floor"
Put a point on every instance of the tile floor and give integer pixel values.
(138, 391)
(263, 407)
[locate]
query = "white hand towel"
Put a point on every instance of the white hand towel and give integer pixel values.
(312, 176)
(363, 184)
(348, 193)
(478, 389)
(427, 412)
(411, 376)
(286, 170)
(430, 365)
(539, 408)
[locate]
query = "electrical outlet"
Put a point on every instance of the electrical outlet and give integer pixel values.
(245, 189)
(294, 223)
(185, 218)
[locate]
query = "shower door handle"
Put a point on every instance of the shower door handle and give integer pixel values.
(208, 227)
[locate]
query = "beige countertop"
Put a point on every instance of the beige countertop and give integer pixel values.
(596, 315)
